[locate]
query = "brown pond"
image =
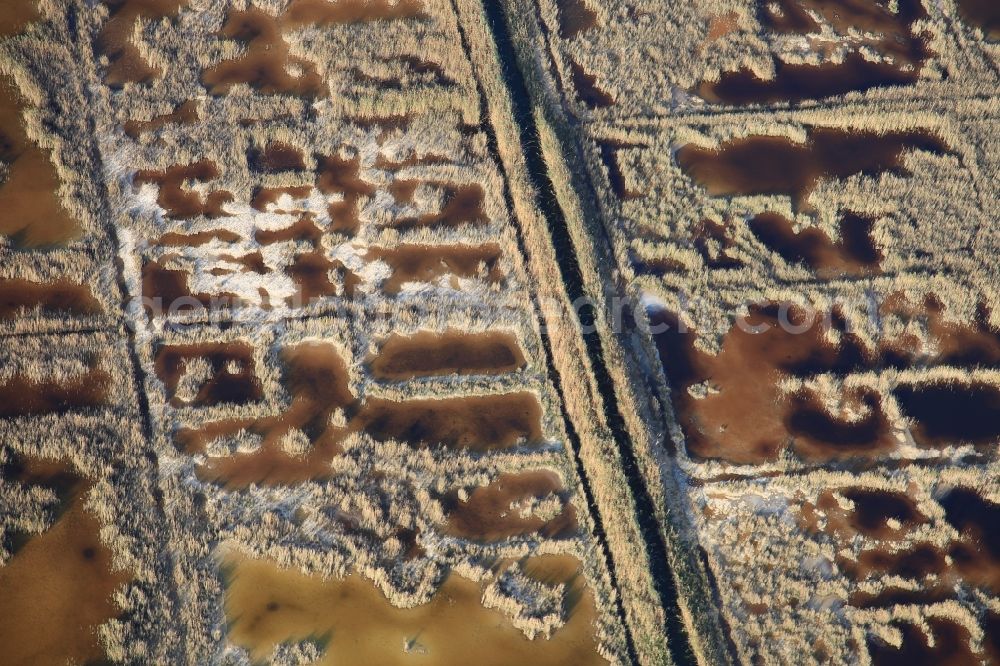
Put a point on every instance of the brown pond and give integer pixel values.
(977, 554)
(915, 563)
(967, 344)
(951, 413)
(951, 646)
(427, 354)
(324, 410)
(501, 510)
(853, 254)
(268, 65)
(180, 202)
(427, 263)
(21, 396)
(232, 379)
(114, 40)
(575, 17)
(315, 377)
(17, 14)
(198, 238)
(477, 423)
(587, 89)
(983, 14)
(166, 291)
(32, 214)
(762, 165)
(463, 204)
(873, 508)
(59, 585)
(311, 273)
(748, 419)
(893, 39)
(304, 229)
(354, 622)
(185, 114)
(991, 627)
(336, 175)
(265, 197)
(18, 297)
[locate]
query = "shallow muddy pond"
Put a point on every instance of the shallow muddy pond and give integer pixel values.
(354, 623)
(426, 354)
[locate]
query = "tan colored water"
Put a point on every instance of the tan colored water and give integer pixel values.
(114, 41)
(32, 214)
(267, 605)
(59, 585)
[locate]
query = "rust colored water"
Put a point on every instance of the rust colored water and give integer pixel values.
(267, 605)
(180, 202)
(198, 238)
(869, 517)
(316, 378)
(302, 230)
(427, 263)
(501, 509)
(166, 291)
(59, 585)
(914, 563)
(266, 197)
(746, 418)
(185, 114)
(983, 14)
(323, 410)
(463, 204)
(336, 175)
(114, 41)
(587, 89)
(762, 165)
(853, 254)
(32, 214)
(893, 38)
(991, 626)
(951, 413)
(874, 508)
(426, 354)
(575, 18)
(965, 344)
(977, 554)
(232, 378)
(267, 66)
(18, 297)
(476, 423)
(822, 435)
(23, 396)
(311, 273)
(17, 15)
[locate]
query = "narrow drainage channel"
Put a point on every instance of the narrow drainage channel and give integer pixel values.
(678, 641)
